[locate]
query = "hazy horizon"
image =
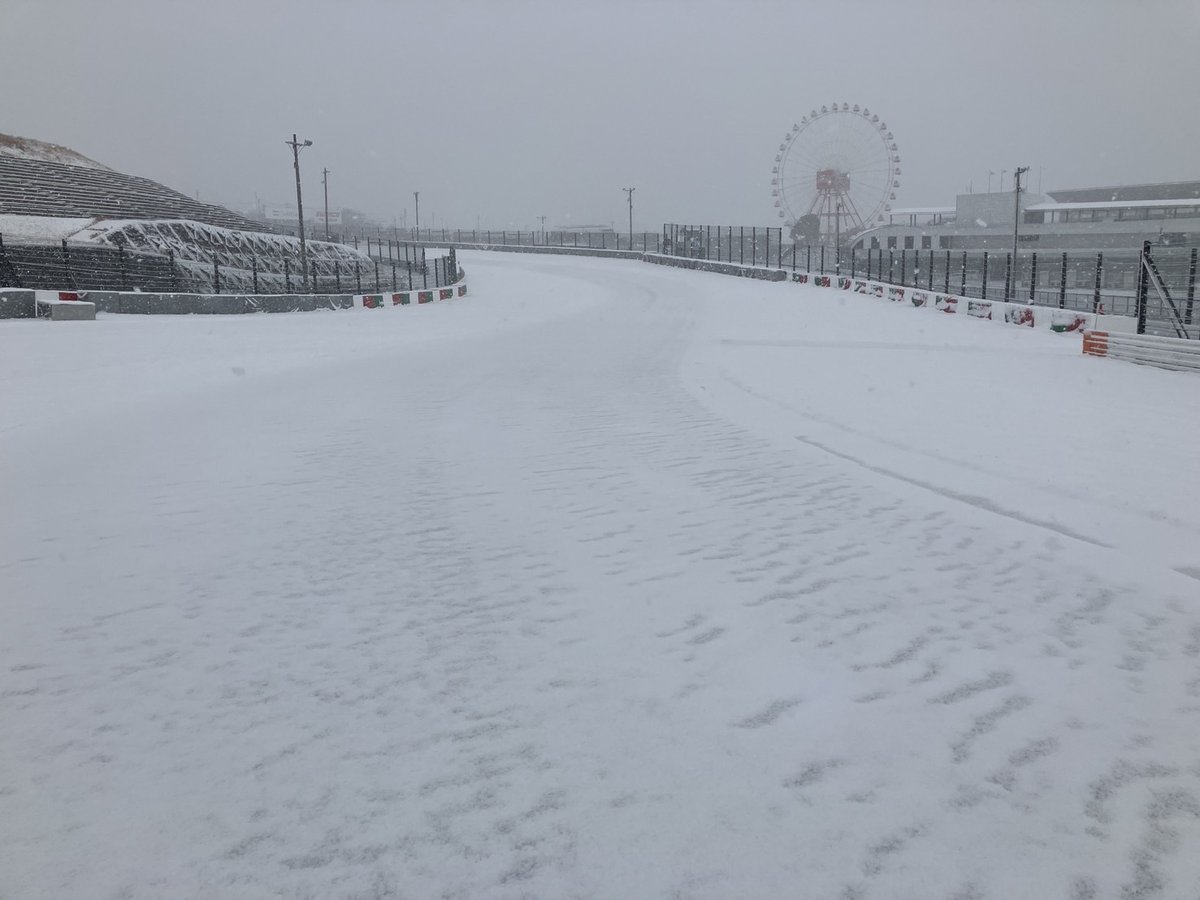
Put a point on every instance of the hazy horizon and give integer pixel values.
(501, 113)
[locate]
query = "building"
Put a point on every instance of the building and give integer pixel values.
(1099, 218)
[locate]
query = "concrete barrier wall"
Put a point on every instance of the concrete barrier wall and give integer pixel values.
(16, 303)
(24, 303)
(763, 273)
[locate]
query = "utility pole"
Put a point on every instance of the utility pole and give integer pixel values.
(296, 146)
(837, 239)
(325, 181)
(1017, 173)
(990, 174)
(630, 191)
(417, 201)
(542, 219)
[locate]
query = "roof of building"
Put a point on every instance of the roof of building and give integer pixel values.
(1115, 204)
(1161, 191)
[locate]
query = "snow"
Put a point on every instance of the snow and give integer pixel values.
(29, 148)
(607, 580)
(14, 227)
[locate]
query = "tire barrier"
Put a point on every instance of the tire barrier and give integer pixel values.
(1179, 354)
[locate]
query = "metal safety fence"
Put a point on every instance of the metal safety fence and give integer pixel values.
(638, 241)
(1103, 282)
(745, 245)
(387, 265)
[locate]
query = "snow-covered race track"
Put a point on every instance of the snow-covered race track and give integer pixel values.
(606, 581)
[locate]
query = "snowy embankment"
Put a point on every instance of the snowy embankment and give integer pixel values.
(606, 581)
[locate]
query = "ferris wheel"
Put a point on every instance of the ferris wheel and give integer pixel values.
(836, 172)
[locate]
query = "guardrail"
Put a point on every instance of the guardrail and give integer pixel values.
(1163, 352)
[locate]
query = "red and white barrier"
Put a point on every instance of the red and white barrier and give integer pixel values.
(1164, 352)
(1051, 318)
(410, 298)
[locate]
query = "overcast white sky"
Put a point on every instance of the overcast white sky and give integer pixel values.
(511, 109)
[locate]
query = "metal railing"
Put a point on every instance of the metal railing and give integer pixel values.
(387, 265)
(745, 245)
(639, 241)
(1101, 282)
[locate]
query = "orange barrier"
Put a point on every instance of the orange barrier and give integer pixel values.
(1095, 343)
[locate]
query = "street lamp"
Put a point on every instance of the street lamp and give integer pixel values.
(1017, 173)
(325, 181)
(629, 191)
(296, 146)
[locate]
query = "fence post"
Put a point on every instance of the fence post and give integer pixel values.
(395, 284)
(964, 274)
(337, 276)
(357, 278)
(66, 257)
(377, 275)
(903, 263)
(254, 272)
(741, 244)
(946, 286)
(808, 265)
(1099, 275)
(1032, 277)
(216, 276)
(1143, 287)
(174, 271)
(1191, 290)
(931, 268)
(5, 270)
(779, 251)
(891, 265)
(853, 262)
(287, 276)
(1008, 277)
(822, 259)
(1062, 284)
(983, 293)
(424, 274)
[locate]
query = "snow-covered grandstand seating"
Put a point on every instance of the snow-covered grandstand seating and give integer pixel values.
(39, 187)
(69, 222)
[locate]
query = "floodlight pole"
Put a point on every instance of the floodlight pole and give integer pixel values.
(296, 146)
(417, 201)
(1017, 173)
(629, 191)
(325, 181)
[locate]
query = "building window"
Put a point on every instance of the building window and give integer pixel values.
(943, 242)
(874, 243)
(926, 242)
(891, 242)
(908, 242)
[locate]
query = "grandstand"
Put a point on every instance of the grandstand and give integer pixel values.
(40, 179)
(67, 221)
